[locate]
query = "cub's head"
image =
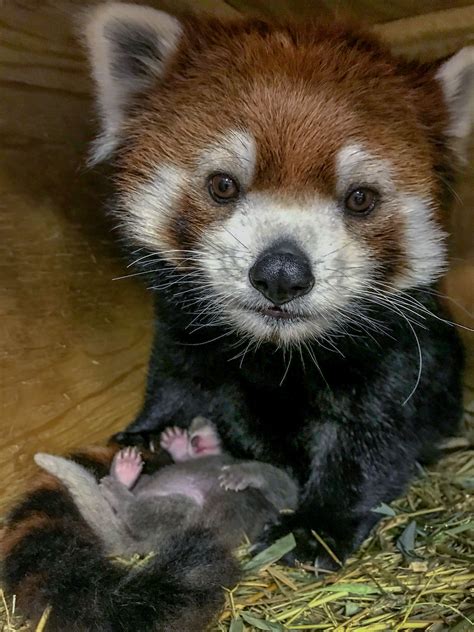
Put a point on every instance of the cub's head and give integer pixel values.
(286, 175)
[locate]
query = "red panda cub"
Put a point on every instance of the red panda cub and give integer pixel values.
(285, 188)
(136, 514)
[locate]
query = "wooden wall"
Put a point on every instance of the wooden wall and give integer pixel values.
(73, 340)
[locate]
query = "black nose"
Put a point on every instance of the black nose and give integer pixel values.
(282, 273)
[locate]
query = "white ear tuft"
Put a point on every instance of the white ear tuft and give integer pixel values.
(128, 47)
(456, 76)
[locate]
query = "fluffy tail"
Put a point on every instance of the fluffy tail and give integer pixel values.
(51, 557)
(96, 511)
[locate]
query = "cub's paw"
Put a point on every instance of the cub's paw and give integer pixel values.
(235, 478)
(176, 441)
(127, 466)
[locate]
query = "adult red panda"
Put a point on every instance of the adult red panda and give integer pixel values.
(285, 188)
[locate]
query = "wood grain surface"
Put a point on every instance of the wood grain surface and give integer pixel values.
(74, 340)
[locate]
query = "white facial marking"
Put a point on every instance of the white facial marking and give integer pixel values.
(150, 207)
(339, 264)
(355, 165)
(235, 154)
(343, 264)
(423, 238)
(424, 243)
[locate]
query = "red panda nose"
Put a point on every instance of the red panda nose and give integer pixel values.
(282, 273)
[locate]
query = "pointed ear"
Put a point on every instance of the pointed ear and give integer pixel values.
(456, 76)
(129, 46)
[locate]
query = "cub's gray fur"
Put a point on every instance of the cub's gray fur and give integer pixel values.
(234, 498)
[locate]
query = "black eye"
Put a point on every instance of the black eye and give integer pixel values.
(223, 188)
(361, 201)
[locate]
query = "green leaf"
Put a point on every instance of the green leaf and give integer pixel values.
(260, 624)
(406, 542)
(466, 624)
(385, 510)
(467, 526)
(237, 625)
(351, 609)
(274, 552)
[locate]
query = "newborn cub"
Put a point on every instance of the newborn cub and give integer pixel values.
(133, 512)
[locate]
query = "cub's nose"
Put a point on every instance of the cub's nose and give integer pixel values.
(282, 273)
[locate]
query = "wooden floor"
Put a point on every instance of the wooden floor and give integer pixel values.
(74, 340)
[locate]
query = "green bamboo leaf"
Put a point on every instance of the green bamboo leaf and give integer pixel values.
(237, 625)
(467, 526)
(466, 624)
(351, 609)
(385, 510)
(274, 552)
(406, 542)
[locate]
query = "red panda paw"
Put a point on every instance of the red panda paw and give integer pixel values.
(176, 441)
(127, 466)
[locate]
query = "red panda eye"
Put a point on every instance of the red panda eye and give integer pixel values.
(361, 201)
(223, 188)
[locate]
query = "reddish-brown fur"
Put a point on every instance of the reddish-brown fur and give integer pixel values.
(97, 458)
(11, 536)
(303, 91)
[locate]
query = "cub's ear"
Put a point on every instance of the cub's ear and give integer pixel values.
(129, 46)
(456, 76)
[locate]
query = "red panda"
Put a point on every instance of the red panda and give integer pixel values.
(285, 188)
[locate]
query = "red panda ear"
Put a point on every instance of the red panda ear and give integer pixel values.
(129, 46)
(456, 76)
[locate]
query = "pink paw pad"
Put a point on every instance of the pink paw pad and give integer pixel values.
(127, 466)
(176, 441)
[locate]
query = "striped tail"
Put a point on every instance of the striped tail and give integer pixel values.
(52, 557)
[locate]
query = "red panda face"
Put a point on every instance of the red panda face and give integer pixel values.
(297, 172)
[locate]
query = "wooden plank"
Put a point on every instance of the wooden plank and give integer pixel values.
(431, 36)
(371, 11)
(73, 342)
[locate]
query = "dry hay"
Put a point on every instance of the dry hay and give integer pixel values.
(415, 573)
